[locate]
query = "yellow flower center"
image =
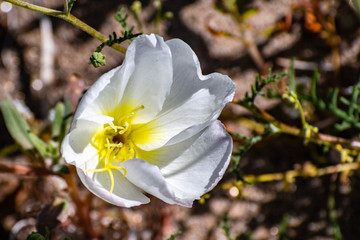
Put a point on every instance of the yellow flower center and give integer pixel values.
(112, 140)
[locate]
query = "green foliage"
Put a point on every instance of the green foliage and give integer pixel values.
(348, 111)
(226, 226)
(20, 130)
(159, 16)
(38, 236)
(249, 142)
(121, 17)
(23, 135)
(249, 102)
(238, 8)
(97, 59)
(70, 5)
(173, 236)
(136, 8)
(356, 5)
(333, 214)
(283, 226)
(257, 87)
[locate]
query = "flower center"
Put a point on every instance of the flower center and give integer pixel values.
(112, 140)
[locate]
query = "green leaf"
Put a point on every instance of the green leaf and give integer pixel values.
(292, 83)
(70, 5)
(283, 226)
(97, 59)
(66, 122)
(20, 130)
(226, 226)
(39, 144)
(356, 6)
(173, 236)
(16, 125)
(122, 19)
(7, 150)
(35, 236)
(58, 120)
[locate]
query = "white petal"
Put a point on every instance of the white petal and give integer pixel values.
(144, 79)
(194, 101)
(101, 96)
(124, 194)
(188, 78)
(149, 178)
(76, 147)
(149, 85)
(195, 165)
(198, 109)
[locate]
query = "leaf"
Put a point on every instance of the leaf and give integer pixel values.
(20, 130)
(16, 125)
(173, 236)
(70, 5)
(58, 120)
(122, 19)
(7, 150)
(39, 144)
(35, 236)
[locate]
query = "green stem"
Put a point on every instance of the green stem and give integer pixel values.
(302, 114)
(69, 18)
(318, 138)
(66, 8)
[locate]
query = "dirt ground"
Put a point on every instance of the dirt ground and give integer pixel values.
(217, 39)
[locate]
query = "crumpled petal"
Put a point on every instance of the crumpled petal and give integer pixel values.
(194, 166)
(125, 194)
(149, 178)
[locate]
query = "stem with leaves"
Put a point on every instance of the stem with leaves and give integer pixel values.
(67, 17)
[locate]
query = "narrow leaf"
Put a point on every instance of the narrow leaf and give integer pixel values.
(38, 144)
(58, 120)
(16, 125)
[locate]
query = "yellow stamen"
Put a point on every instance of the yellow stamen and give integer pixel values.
(114, 145)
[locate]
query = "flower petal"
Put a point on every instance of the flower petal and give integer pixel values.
(149, 84)
(188, 79)
(149, 178)
(198, 109)
(76, 147)
(196, 165)
(194, 101)
(102, 95)
(125, 194)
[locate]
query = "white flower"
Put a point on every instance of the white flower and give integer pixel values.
(151, 124)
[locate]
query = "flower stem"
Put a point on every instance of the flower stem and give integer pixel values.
(67, 17)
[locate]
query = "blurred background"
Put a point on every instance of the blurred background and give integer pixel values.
(45, 60)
